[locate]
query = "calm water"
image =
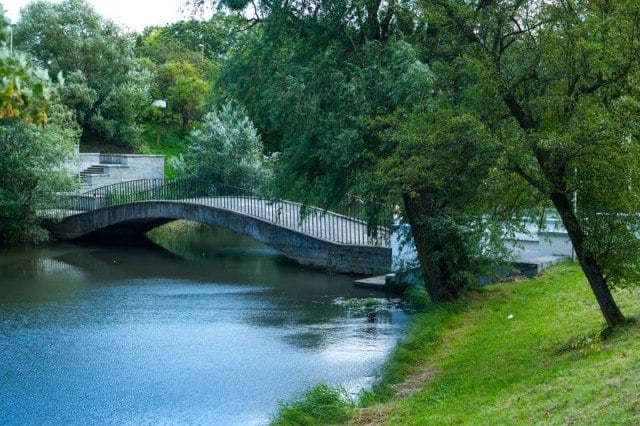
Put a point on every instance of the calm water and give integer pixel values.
(214, 335)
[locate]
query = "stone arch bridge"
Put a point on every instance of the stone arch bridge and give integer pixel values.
(340, 242)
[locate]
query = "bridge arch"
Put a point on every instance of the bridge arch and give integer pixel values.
(140, 217)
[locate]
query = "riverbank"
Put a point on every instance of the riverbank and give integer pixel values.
(512, 353)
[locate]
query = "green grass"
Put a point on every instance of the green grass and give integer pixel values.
(527, 352)
(523, 352)
(320, 404)
(168, 142)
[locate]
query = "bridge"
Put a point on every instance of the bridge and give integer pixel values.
(337, 241)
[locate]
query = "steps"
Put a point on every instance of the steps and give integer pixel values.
(92, 170)
(95, 170)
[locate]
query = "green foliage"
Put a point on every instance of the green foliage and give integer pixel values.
(107, 89)
(30, 173)
(550, 95)
(466, 110)
(584, 345)
(417, 297)
(353, 108)
(30, 152)
(320, 404)
(77, 95)
(118, 117)
(226, 145)
(158, 46)
(441, 158)
(25, 90)
(165, 141)
(199, 43)
(182, 87)
(312, 84)
(184, 58)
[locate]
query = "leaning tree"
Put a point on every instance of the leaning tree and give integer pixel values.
(556, 85)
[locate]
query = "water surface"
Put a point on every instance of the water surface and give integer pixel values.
(213, 330)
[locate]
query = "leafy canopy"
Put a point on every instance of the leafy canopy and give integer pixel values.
(36, 135)
(70, 39)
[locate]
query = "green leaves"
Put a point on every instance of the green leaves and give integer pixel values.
(97, 59)
(31, 156)
(547, 82)
(24, 90)
(226, 145)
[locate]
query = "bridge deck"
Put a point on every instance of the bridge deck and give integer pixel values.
(325, 225)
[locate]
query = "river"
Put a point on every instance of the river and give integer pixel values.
(205, 328)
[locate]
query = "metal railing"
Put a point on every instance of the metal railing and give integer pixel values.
(248, 196)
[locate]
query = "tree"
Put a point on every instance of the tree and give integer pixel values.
(556, 84)
(78, 96)
(180, 84)
(36, 135)
(158, 45)
(31, 156)
(200, 43)
(442, 155)
(24, 90)
(118, 117)
(312, 83)
(226, 146)
(72, 39)
(184, 58)
(330, 84)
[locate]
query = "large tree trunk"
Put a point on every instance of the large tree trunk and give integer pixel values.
(589, 264)
(437, 272)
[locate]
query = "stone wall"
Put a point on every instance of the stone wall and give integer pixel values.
(117, 168)
(133, 166)
(77, 162)
(555, 244)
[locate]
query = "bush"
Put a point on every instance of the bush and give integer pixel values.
(226, 145)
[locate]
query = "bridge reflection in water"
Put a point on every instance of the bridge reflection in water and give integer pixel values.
(343, 242)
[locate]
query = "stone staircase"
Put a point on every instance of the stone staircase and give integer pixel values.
(99, 170)
(90, 171)
(87, 176)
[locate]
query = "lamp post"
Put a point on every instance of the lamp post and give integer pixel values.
(201, 50)
(11, 38)
(162, 104)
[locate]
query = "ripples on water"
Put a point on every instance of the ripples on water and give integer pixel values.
(139, 334)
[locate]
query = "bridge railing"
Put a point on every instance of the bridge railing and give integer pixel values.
(245, 195)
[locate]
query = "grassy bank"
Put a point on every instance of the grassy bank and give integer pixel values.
(513, 353)
(168, 142)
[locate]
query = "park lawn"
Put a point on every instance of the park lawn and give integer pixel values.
(514, 353)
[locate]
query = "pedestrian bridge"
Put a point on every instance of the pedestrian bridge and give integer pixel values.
(340, 242)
